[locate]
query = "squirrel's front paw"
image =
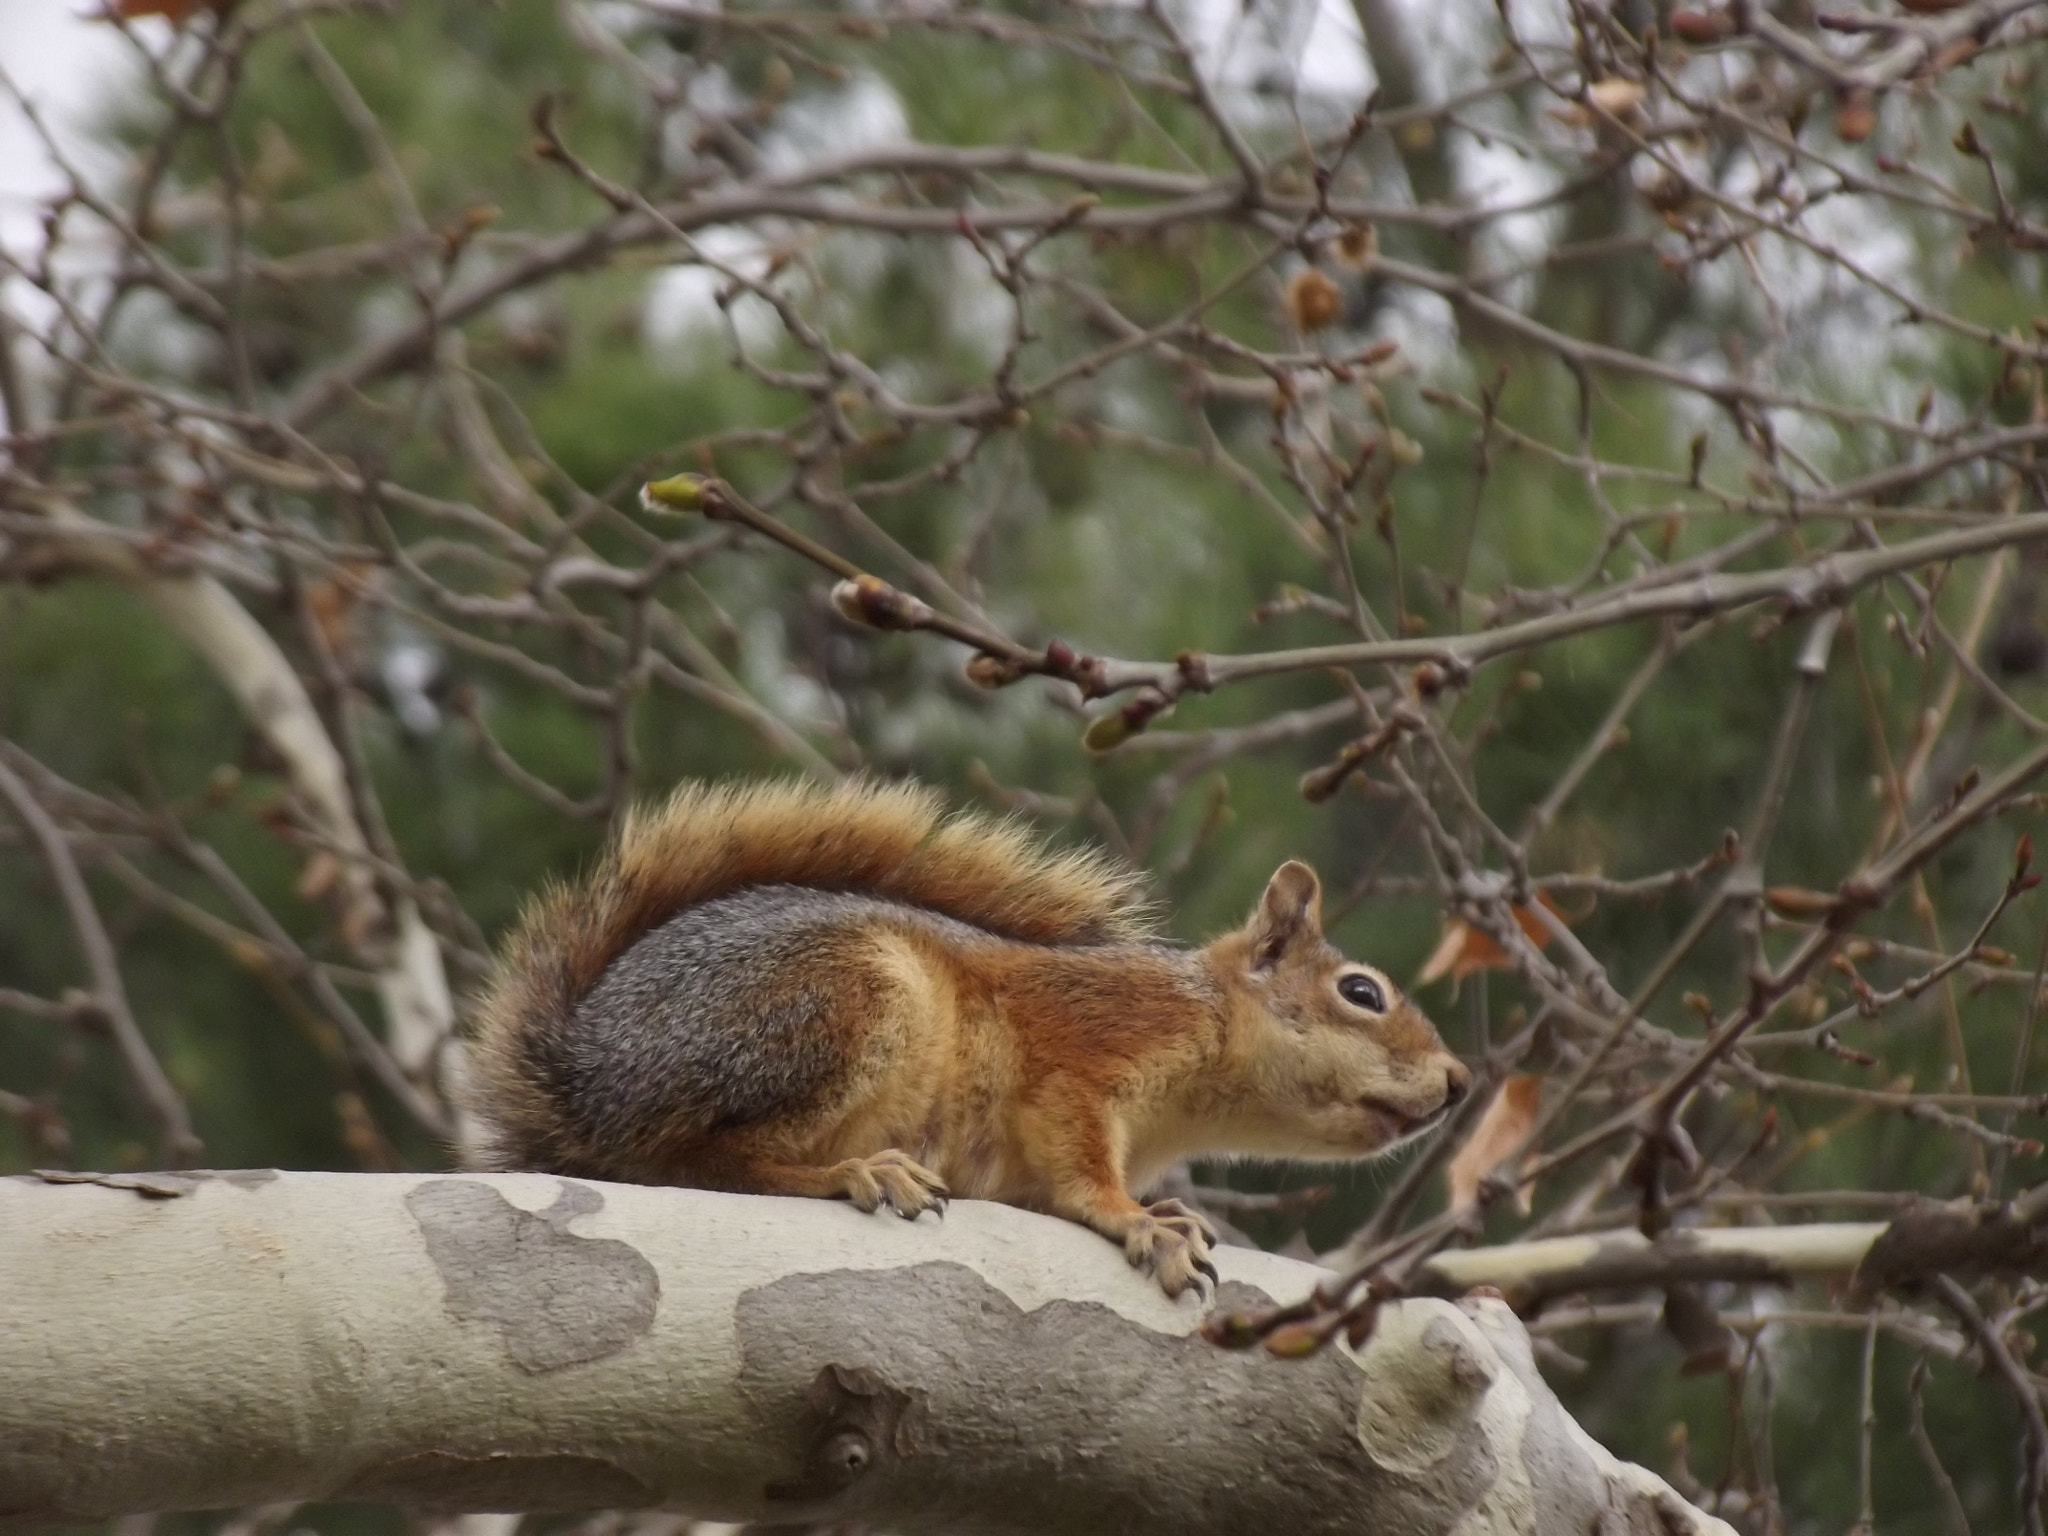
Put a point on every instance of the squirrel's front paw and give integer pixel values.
(896, 1180)
(1171, 1243)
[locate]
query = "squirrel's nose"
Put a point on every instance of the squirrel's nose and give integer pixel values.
(1457, 1083)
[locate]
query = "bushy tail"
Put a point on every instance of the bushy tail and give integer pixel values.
(893, 841)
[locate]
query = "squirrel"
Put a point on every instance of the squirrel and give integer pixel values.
(842, 991)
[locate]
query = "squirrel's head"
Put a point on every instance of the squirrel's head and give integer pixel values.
(1332, 1060)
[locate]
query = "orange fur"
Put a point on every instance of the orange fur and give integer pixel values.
(969, 1010)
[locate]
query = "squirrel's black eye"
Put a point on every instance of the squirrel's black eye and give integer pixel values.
(1362, 991)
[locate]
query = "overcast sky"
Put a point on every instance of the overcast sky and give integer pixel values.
(56, 58)
(59, 57)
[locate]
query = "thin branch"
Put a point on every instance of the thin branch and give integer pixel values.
(109, 993)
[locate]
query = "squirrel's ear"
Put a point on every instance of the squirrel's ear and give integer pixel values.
(1290, 915)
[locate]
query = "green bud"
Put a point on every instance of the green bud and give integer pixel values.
(676, 494)
(1106, 731)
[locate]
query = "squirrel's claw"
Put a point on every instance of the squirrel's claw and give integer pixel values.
(1180, 1211)
(1171, 1243)
(896, 1180)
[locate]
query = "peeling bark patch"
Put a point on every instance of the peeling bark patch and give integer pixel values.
(442, 1480)
(556, 1299)
(1008, 1404)
(160, 1186)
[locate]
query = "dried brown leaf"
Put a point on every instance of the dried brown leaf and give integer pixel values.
(1499, 1131)
(1464, 949)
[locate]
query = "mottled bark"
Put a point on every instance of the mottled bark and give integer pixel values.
(525, 1342)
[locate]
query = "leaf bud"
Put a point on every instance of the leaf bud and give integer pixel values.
(872, 601)
(676, 494)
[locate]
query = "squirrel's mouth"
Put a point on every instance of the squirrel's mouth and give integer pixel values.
(1404, 1122)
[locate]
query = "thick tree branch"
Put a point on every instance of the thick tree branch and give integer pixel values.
(528, 1342)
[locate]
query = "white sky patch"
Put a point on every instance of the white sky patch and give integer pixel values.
(1543, 24)
(1822, 328)
(1333, 60)
(1307, 51)
(1426, 327)
(682, 316)
(980, 313)
(682, 311)
(60, 61)
(864, 113)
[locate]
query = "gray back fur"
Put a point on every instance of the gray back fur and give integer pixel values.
(720, 1015)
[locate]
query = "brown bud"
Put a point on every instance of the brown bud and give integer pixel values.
(872, 601)
(1230, 1330)
(1795, 901)
(1669, 193)
(1312, 300)
(1318, 784)
(1360, 1329)
(1356, 246)
(1295, 1341)
(1701, 27)
(986, 671)
(1855, 118)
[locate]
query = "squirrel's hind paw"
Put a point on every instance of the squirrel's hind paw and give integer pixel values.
(894, 1179)
(1172, 1243)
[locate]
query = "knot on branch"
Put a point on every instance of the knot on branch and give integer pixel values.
(1411, 1417)
(853, 1420)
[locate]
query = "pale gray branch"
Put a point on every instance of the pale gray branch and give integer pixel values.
(528, 1342)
